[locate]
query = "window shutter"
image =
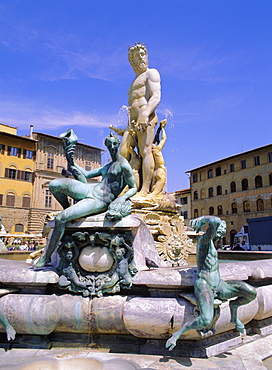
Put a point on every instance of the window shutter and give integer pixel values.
(24, 153)
(6, 172)
(19, 152)
(9, 150)
(34, 156)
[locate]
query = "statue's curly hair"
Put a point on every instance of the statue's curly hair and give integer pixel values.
(138, 45)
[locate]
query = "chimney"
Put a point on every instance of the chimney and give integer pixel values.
(30, 131)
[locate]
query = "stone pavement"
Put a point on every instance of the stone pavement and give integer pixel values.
(249, 356)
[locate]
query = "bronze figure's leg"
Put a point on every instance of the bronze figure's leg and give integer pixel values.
(205, 299)
(244, 292)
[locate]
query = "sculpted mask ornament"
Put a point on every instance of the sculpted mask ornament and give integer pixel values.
(93, 264)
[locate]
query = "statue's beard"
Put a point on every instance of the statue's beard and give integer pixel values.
(141, 66)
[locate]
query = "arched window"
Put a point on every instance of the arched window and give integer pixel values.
(258, 181)
(195, 195)
(10, 200)
(232, 234)
(270, 179)
(218, 171)
(203, 193)
(234, 208)
(211, 210)
(210, 174)
(195, 177)
(219, 190)
(233, 187)
(26, 201)
(219, 210)
(244, 184)
(260, 204)
(210, 192)
(246, 206)
(195, 213)
(19, 228)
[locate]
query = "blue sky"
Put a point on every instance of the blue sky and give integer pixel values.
(63, 63)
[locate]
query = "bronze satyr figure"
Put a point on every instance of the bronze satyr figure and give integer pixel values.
(209, 285)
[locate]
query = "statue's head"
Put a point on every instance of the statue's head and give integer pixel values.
(112, 142)
(221, 230)
(120, 253)
(138, 57)
(69, 255)
(111, 138)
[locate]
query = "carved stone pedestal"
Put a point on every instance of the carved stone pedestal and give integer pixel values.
(167, 228)
(98, 256)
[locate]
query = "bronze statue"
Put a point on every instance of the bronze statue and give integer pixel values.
(92, 198)
(209, 285)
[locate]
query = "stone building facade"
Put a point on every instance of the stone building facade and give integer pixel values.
(183, 198)
(17, 166)
(27, 165)
(50, 161)
(235, 188)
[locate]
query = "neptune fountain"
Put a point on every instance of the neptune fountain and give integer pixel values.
(114, 275)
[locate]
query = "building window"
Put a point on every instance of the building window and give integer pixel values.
(246, 206)
(243, 164)
(26, 201)
(232, 167)
(11, 173)
(210, 174)
(15, 152)
(244, 184)
(195, 195)
(2, 149)
(19, 228)
(257, 160)
(195, 177)
(233, 208)
(1, 199)
(270, 179)
(219, 210)
(196, 213)
(48, 199)
(260, 205)
(210, 191)
(27, 176)
(10, 200)
(219, 190)
(28, 154)
(218, 171)
(184, 200)
(233, 187)
(185, 215)
(211, 210)
(258, 182)
(50, 161)
(88, 166)
(270, 157)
